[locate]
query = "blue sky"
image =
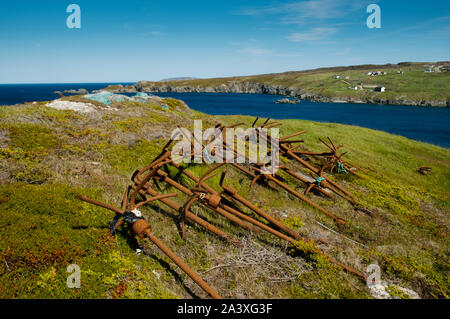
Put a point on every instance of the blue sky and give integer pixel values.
(127, 41)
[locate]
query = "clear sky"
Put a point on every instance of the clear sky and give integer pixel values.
(127, 41)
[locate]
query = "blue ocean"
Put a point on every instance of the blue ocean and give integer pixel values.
(11, 94)
(426, 124)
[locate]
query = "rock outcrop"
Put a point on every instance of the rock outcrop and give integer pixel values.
(287, 101)
(79, 91)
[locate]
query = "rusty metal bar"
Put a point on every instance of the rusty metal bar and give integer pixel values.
(143, 230)
(305, 199)
(177, 260)
(234, 194)
(288, 152)
(292, 135)
(304, 180)
(188, 192)
(195, 218)
(218, 202)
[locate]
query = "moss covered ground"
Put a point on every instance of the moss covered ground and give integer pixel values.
(48, 156)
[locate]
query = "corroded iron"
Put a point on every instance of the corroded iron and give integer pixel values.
(228, 203)
(142, 229)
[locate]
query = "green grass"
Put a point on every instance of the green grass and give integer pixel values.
(415, 206)
(413, 85)
(31, 137)
(48, 156)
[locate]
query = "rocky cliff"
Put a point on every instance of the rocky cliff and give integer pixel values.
(262, 88)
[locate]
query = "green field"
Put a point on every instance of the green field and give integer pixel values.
(48, 156)
(412, 87)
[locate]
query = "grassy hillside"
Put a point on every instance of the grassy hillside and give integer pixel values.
(411, 87)
(48, 156)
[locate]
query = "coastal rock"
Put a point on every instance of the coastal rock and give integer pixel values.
(79, 91)
(261, 88)
(287, 101)
(119, 88)
(74, 106)
(381, 291)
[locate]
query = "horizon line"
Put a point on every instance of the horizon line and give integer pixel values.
(223, 76)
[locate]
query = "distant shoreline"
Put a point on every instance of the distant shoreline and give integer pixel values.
(260, 88)
(13, 94)
(405, 83)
